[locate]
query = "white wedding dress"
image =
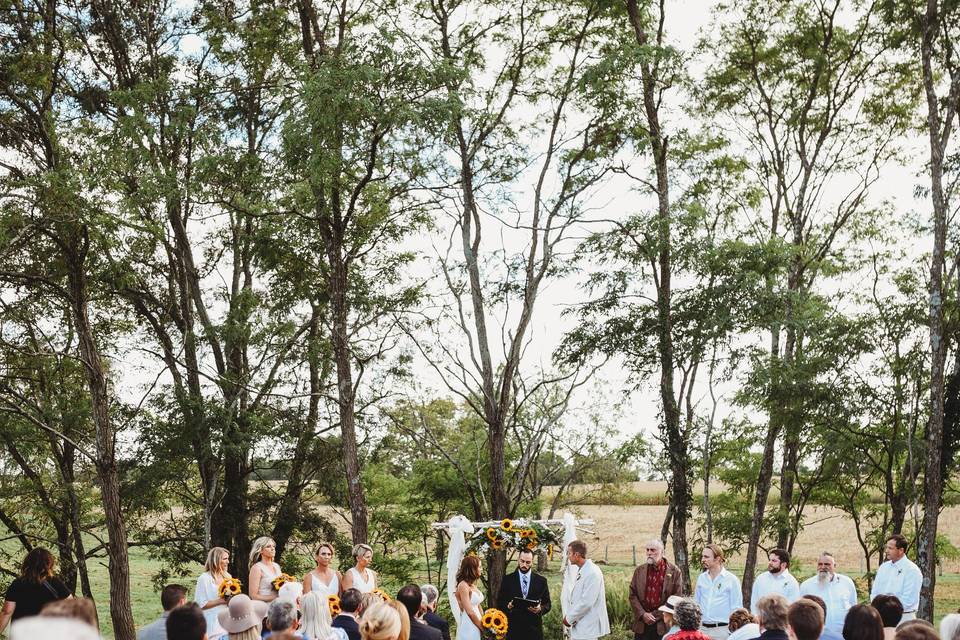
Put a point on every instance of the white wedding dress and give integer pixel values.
(466, 630)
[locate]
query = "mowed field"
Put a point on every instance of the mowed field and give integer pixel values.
(617, 530)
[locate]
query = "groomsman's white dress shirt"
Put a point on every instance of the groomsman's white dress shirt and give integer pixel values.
(586, 609)
(717, 598)
(902, 579)
(838, 592)
(766, 583)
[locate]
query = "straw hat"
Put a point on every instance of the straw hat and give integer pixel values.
(242, 613)
(669, 605)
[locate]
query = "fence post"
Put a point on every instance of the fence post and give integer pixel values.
(634, 555)
(606, 548)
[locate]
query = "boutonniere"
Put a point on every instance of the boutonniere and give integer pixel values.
(669, 575)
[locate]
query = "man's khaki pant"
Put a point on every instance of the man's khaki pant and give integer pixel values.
(716, 633)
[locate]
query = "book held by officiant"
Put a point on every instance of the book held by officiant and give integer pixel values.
(523, 602)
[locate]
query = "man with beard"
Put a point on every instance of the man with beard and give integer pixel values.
(837, 591)
(652, 584)
(776, 579)
(524, 621)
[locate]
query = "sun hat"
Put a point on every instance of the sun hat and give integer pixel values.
(669, 605)
(242, 613)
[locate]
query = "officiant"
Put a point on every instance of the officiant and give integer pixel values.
(525, 598)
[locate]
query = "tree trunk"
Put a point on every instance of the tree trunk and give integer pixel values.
(933, 480)
(119, 564)
(345, 392)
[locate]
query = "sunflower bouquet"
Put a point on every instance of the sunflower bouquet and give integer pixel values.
(229, 588)
(494, 624)
(281, 580)
(333, 601)
(383, 594)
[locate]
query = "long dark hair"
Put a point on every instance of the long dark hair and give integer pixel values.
(37, 566)
(469, 569)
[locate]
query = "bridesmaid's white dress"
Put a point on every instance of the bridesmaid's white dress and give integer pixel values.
(466, 630)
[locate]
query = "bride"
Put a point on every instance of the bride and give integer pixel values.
(469, 598)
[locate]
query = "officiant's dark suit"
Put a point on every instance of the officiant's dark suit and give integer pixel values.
(524, 625)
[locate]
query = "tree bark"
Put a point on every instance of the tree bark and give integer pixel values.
(939, 128)
(121, 615)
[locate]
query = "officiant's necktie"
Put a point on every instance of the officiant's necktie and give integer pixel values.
(524, 583)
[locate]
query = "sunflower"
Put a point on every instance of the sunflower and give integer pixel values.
(491, 533)
(383, 594)
(333, 601)
(532, 544)
(506, 524)
(281, 580)
(549, 552)
(229, 587)
(497, 544)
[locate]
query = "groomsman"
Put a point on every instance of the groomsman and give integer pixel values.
(776, 579)
(524, 623)
(899, 576)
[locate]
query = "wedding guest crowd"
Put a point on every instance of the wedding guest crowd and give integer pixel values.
(823, 607)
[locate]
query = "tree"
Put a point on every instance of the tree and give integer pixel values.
(802, 83)
(54, 234)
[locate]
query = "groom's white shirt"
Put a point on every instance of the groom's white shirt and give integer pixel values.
(587, 604)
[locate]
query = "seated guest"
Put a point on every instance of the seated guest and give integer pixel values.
(805, 620)
(242, 616)
(34, 587)
(431, 597)
(404, 619)
(186, 623)
(315, 623)
(742, 625)
(827, 633)
(282, 619)
(347, 618)
(772, 617)
(890, 610)
(667, 609)
(950, 627)
(45, 628)
(81, 609)
(380, 622)
(688, 616)
(171, 597)
(291, 592)
(863, 622)
(916, 629)
(367, 600)
(411, 598)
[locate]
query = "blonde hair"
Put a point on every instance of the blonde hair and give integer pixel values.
(253, 633)
(258, 546)
(367, 600)
(360, 549)
(316, 621)
(404, 619)
(321, 545)
(381, 622)
(213, 560)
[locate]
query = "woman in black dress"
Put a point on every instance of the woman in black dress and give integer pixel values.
(35, 587)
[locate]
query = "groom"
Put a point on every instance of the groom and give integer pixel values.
(524, 622)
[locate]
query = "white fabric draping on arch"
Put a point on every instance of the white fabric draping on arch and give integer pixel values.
(569, 573)
(458, 527)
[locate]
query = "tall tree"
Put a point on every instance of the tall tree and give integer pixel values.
(354, 147)
(545, 61)
(800, 82)
(939, 24)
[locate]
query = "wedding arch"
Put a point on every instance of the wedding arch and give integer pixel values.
(481, 538)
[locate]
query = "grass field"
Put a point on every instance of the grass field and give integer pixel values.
(611, 540)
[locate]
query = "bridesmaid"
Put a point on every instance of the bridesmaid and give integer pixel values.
(323, 579)
(360, 577)
(208, 586)
(263, 570)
